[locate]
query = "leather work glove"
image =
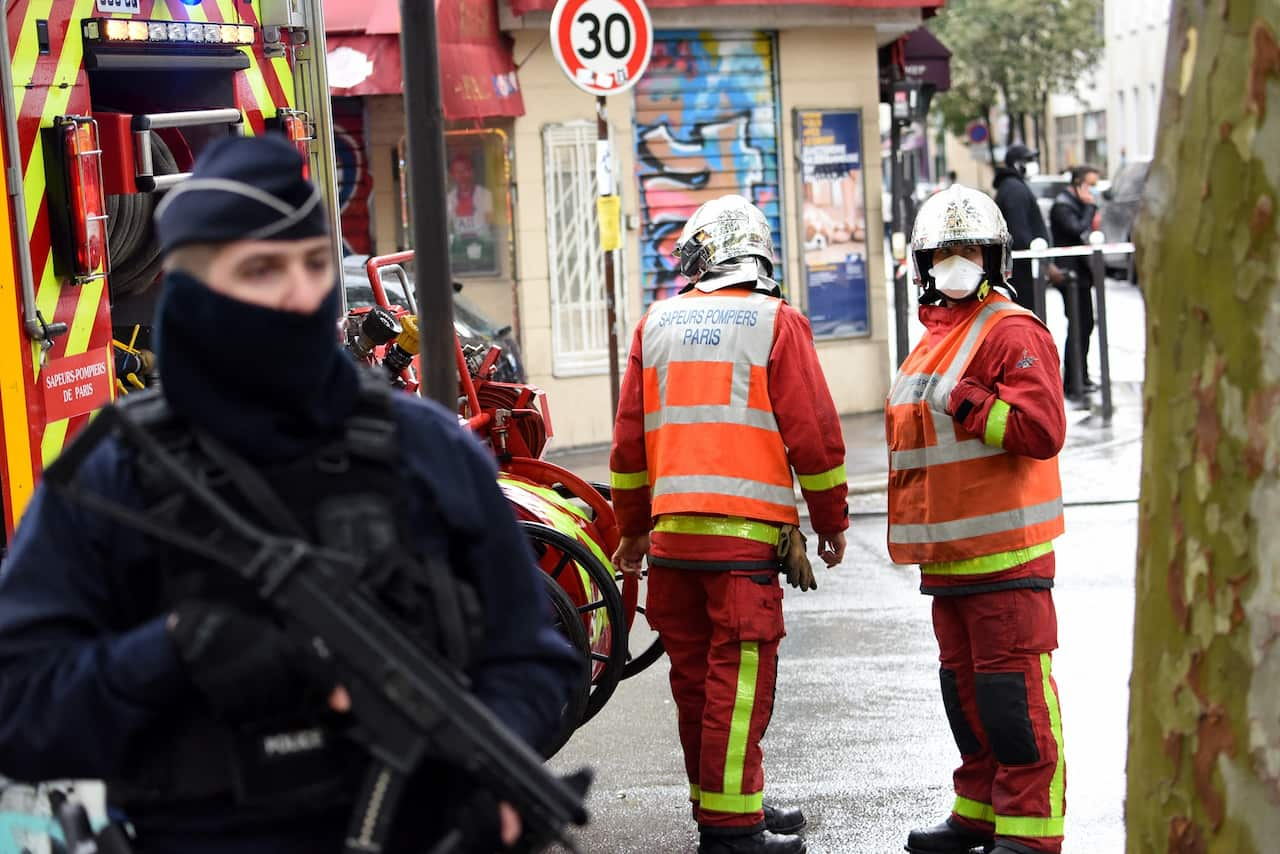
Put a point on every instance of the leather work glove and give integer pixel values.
(795, 559)
(246, 668)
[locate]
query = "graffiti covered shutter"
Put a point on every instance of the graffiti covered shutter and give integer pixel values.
(706, 125)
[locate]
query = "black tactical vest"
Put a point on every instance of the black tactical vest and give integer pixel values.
(347, 495)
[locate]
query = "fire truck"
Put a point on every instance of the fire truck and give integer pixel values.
(106, 104)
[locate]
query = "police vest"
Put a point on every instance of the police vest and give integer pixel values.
(951, 496)
(346, 495)
(711, 439)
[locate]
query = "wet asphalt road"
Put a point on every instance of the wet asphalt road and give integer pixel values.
(859, 737)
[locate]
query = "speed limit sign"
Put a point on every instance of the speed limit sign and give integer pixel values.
(603, 45)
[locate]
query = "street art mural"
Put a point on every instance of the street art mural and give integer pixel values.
(706, 125)
(355, 182)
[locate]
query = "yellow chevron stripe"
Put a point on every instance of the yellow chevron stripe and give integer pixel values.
(27, 50)
(46, 299)
(17, 479)
(285, 75)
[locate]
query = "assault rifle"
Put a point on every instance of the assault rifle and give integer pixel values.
(407, 703)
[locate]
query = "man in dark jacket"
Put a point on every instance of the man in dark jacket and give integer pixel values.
(125, 660)
(1022, 213)
(1071, 219)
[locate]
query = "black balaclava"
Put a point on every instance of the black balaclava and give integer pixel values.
(272, 384)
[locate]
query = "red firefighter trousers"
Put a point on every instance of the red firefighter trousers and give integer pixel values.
(721, 631)
(1002, 703)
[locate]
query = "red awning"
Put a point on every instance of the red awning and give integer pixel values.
(521, 7)
(477, 74)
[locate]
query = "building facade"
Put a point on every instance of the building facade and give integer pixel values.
(733, 95)
(1137, 34)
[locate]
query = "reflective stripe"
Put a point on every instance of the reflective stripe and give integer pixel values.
(736, 804)
(827, 480)
(977, 526)
(987, 563)
(1037, 828)
(973, 809)
(719, 526)
(916, 388)
(997, 421)
(940, 454)
(629, 480)
(1058, 785)
(715, 484)
(740, 728)
(710, 414)
(694, 792)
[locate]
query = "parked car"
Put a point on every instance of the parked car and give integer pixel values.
(471, 324)
(1121, 208)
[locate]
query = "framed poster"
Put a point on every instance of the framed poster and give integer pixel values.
(474, 190)
(833, 222)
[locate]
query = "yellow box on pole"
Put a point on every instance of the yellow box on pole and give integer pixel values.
(609, 212)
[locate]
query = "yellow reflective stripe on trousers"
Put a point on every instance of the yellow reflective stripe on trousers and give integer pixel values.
(719, 526)
(973, 809)
(1054, 825)
(628, 480)
(825, 480)
(737, 804)
(997, 422)
(987, 563)
(1033, 827)
(739, 729)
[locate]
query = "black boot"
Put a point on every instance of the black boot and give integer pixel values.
(784, 819)
(759, 842)
(946, 838)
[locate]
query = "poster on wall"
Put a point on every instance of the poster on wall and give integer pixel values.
(473, 220)
(833, 222)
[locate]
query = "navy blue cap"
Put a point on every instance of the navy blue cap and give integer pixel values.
(242, 188)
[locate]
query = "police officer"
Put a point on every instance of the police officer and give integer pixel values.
(723, 397)
(974, 423)
(124, 660)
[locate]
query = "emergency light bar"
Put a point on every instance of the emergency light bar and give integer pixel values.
(122, 31)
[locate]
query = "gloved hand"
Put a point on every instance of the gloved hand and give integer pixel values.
(246, 668)
(795, 559)
(968, 397)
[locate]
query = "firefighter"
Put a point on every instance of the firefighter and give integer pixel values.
(722, 398)
(124, 660)
(974, 424)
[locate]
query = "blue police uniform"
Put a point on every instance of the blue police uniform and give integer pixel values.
(90, 676)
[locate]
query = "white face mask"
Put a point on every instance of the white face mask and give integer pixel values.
(957, 277)
(1031, 169)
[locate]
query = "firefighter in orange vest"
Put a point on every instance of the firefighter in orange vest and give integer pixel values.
(723, 397)
(974, 423)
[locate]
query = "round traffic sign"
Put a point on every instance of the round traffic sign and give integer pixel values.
(977, 132)
(602, 45)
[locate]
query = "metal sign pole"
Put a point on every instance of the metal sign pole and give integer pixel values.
(605, 188)
(1099, 271)
(428, 198)
(900, 305)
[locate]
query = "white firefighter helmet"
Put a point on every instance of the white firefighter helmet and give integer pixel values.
(959, 215)
(721, 230)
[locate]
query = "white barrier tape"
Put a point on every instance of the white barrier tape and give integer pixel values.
(1069, 251)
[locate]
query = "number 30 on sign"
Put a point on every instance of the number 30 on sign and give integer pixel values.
(602, 45)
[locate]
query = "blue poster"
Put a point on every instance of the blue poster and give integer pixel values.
(833, 221)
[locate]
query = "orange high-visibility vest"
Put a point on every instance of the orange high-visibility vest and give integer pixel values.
(951, 496)
(710, 435)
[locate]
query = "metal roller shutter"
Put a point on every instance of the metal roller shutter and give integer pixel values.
(706, 125)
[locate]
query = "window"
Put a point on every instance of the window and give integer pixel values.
(579, 327)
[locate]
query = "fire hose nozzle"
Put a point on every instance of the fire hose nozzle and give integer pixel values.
(407, 345)
(378, 327)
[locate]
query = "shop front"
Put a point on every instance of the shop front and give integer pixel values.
(777, 103)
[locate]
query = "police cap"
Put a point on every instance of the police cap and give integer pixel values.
(242, 188)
